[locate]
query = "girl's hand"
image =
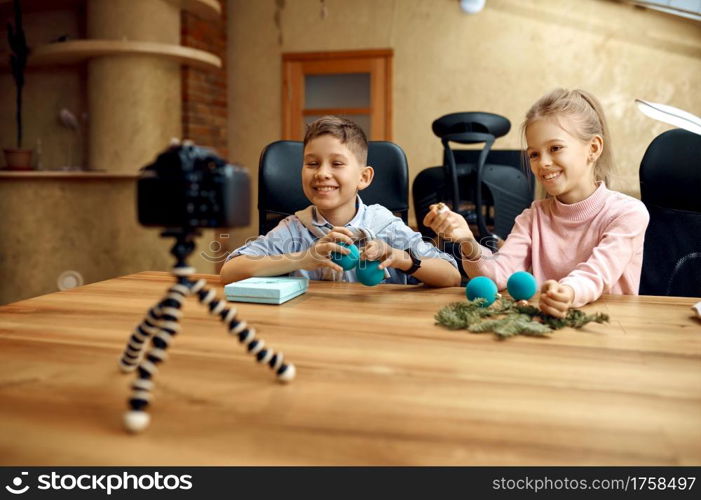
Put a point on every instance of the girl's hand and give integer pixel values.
(555, 299)
(379, 250)
(319, 254)
(447, 224)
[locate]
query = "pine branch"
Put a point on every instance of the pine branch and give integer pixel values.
(507, 318)
(461, 315)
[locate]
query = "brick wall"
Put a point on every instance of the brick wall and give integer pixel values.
(204, 91)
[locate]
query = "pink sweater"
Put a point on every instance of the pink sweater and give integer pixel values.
(595, 245)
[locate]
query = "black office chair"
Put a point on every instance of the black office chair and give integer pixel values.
(670, 187)
(499, 187)
(280, 181)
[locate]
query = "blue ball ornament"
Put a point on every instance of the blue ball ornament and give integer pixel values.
(521, 285)
(347, 262)
(368, 272)
(482, 287)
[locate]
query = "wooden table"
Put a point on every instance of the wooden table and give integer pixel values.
(377, 383)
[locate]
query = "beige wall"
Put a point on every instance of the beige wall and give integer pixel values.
(52, 225)
(86, 225)
(49, 224)
(500, 60)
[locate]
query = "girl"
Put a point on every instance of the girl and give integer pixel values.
(583, 240)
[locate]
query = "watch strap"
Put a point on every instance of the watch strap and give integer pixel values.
(415, 262)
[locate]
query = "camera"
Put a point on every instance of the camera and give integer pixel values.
(191, 187)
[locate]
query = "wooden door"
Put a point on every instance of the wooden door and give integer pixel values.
(353, 84)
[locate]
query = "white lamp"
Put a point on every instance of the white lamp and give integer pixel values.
(472, 6)
(671, 115)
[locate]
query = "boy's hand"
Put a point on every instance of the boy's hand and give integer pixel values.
(380, 250)
(319, 254)
(555, 299)
(447, 224)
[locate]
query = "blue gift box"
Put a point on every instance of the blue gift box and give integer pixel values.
(266, 290)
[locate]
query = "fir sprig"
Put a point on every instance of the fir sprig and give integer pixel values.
(507, 318)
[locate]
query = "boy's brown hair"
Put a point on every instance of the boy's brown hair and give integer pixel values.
(346, 131)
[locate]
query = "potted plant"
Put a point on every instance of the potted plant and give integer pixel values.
(18, 158)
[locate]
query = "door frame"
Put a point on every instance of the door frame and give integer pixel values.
(377, 62)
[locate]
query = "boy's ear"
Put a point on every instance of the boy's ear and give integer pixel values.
(366, 176)
(596, 147)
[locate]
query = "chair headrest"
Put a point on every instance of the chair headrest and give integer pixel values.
(474, 121)
(670, 171)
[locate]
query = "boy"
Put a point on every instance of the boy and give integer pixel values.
(334, 171)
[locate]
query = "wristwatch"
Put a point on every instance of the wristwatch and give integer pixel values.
(415, 262)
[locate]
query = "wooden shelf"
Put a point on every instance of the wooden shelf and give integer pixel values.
(209, 10)
(77, 51)
(65, 174)
(28, 6)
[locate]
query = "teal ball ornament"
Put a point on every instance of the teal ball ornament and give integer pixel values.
(482, 287)
(347, 262)
(521, 285)
(368, 273)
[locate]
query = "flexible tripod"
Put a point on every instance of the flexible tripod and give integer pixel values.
(161, 324)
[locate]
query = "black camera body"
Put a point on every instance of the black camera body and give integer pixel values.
(191, 187)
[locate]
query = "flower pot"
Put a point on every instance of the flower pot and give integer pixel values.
(18, 159)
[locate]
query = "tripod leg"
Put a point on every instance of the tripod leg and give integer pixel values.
(137, 419)
(144, 331)
(161, 324)
(284, 372)
(150, 326)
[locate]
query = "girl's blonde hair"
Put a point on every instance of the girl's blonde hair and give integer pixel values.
(587, 115)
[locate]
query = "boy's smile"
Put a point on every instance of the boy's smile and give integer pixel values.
(332, 177)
